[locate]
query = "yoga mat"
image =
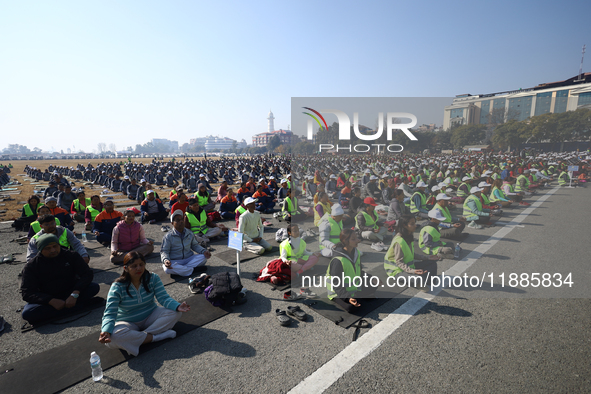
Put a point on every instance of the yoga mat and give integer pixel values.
(332, 312)
(61, 367)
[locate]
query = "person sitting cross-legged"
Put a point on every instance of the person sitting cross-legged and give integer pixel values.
(251, 226)
(129, 236)
(105, 222)
(132, 318)
(66, 238)
(54, 281)
(197, 220)
(152, 208)
(181, 252)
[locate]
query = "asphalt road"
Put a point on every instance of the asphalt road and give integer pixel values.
(501, 340)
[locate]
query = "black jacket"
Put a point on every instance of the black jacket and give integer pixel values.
(44, 279)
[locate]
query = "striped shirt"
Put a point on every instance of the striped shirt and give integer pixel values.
(121, 307)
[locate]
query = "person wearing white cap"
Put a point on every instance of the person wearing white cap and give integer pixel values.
(171, 180)
(123, 185)
(141, 191)
(178, 246)
(451, 227)
(523, 184)
(418, 202)
(494, 207)
(498, 196)
(152, 208)
(464, 188)
(366, 177)
(331, 186)
(371, 189)
(473, 210)
(330, 228)
(430, 237)
(311, 188)
(251, 226)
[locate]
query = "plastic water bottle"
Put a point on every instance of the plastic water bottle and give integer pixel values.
(457, 251)
(95, 365)
(84, 239)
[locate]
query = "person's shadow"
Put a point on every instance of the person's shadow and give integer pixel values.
(214, 340)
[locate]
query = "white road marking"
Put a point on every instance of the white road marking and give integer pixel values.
(330, 372)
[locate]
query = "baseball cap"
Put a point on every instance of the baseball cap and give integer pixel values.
(250, 200)
(176, 213)
(370, 201)
(337, 210)
(436, 214)
(442, 196)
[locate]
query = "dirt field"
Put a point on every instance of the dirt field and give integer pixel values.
(27, 188)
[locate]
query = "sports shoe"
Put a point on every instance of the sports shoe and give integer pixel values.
(291, 296)
(384, 247)
(197, 282)
(376, 246)
(152, 221)
(305, 292)
(475, 225)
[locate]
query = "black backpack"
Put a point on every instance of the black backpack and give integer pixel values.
(225, 288)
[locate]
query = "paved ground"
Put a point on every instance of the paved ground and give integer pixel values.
(521, 340)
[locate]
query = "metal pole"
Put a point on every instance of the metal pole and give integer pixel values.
(238, 262)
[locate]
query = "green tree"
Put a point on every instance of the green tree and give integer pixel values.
(274, 143)
(468, 135)
(508, 135)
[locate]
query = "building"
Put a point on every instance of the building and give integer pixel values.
(173, 146)
(200, 140)
(286, 137)
(552, 97)
(271, 124)
(223, 143)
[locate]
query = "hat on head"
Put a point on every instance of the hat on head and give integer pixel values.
(370, 201)
(475, 189)
(373, 178)
(45, 240)
(283, 181)
(435, 188)
(483, 184)
(175, 213)
(143, 180)
(150, 192)
(466, 178)
(250, 200)
(442, 196)
(50, 198)
(421, 184)
(333, 176)
(126, 177)
(337, 210)
(436, 214)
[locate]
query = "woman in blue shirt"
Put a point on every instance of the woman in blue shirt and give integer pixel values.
(132, 317)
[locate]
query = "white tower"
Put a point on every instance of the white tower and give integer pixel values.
(270, 119)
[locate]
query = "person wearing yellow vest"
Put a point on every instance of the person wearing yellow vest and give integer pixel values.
(473, 210)
(330, 228)
(366, 222)
(92, 211)
(290, 209)
(29, 214)
(464, 188)
(78, 206)
(523, 184)
(497, 195)
(66, 238)
(451, 227)
(430, 237)
(418, 202)
(321, 208)
(342, 287)
(35, 226)
(204, 199)
(494, 207)
(401, 258)
(564, 179)
(293, 251)
(199, 223)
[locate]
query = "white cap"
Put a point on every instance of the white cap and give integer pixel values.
(149, 192)
(524, 171)
(436, 214)
(261, 179)
(201, 175)
(126, 177)
(483, 184)
(421, 184)
(271, 177)
(337, 210)
(143, 180)
(435, 188)
(354, 173)
(443, 184)
(466, 178)
(373, 177)
(475, 189)
(384, 176)
(250, 200)
(170, 172)
(333, 176)
(283, 181)
(175, 213)
(367, 171)
(442, 196)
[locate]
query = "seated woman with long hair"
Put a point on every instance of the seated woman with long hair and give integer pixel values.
(132, 317)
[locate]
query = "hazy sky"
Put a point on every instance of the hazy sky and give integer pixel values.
(80, 73)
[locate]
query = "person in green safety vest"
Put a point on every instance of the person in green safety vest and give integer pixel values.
(290, 210)
(330, 228)
(28, 215)
(199, 223)
(430, 237)
(473, 210)
(202, 195)
(523, 184)
(368, 225)
(346, 282)
(451, 227)
(92, 211)
(35, 226)
(418, 202)
(401, 258)
(293, 252)
(67, 239)
(78, 206)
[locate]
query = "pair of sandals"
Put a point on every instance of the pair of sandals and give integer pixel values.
(294, 311)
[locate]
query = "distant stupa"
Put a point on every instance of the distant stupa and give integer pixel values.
(271, 118)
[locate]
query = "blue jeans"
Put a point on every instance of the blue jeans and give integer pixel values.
(35, 313)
